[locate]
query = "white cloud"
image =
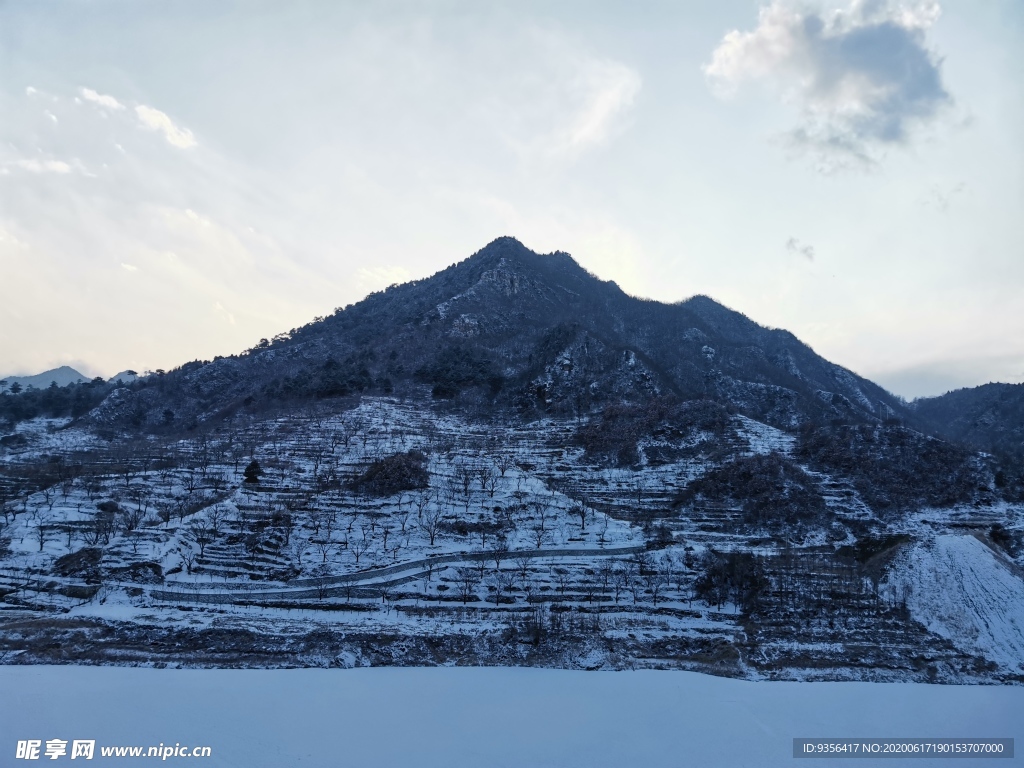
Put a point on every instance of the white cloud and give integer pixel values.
(155, 120)
(43, 166)
(101, 98)
(129, 267)
(862, 76)
(606, 90)
(30, 91)
(560, 100)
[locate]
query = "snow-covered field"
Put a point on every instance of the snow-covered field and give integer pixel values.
(477, 718)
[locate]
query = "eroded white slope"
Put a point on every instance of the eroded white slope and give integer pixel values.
(961, 590)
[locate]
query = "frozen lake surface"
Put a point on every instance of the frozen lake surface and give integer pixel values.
(483, 717)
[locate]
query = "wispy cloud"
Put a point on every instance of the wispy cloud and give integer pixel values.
(155, 120)
(564, 102)
(801, 249)
(862, 77)
(605, 91)
(42, 166)
(129, 267)
(149, 117)
(102, 99)
(230, 318)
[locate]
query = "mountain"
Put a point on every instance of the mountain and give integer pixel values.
(513, 462)
(63, 376)
(989, 417)
(527, 333)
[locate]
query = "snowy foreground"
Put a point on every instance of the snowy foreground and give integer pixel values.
(480, 717)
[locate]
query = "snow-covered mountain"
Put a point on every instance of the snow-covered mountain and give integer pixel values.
(511, 462)
(514, 331)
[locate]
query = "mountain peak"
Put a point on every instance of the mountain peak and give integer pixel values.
(511, 328)
(514, 253)
(63, 375)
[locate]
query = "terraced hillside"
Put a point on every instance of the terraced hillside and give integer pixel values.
(398, 532)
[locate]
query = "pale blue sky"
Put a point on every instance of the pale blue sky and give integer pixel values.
(179, 180)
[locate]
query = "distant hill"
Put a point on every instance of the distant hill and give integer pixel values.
(989, 417)
(63, 376)
(125, 377)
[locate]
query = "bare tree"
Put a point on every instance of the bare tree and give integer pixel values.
(499, 582)
(529, 587)
(467, 580)
(216, 515)
(541, 515)
(164, 512)
(523, 564)
(324, 547)
(67, 483)
(181, 507)
(403, 519)
(190, 481)
(387, 596)
(619, 580)
(421, 502)
(130, 519)
(126, 463)
(134, 536)
(488, 481)
(655, 582)
(141, 496)
(464, 477)
(41, 530)
(560, 577)
(633, 583)
(430, 523)
(253, 542)
(580, 510)
(286, 522)
(605, 573)
(504, 462)
(49, 493)
(203, 534)
(322, 581)
(358, 547)
(499, 551)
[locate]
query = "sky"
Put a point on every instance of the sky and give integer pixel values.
(178, 180)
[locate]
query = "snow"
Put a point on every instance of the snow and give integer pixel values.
(537, 476)
(763, 438)
(962, 591)
(477, 718)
